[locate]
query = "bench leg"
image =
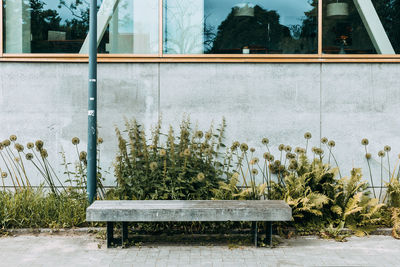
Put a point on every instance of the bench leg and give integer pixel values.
(255, 233)
(110, 234)
(124, 233)
(268, 233)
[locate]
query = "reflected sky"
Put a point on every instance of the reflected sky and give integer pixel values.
(291, 11)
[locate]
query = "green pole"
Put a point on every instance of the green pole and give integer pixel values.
(92, 105)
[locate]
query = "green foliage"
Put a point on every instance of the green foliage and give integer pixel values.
(186, 166)
(33, 208)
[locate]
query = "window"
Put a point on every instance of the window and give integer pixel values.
(361, 27)
(61, 26)
(229, 27)
(203, 30)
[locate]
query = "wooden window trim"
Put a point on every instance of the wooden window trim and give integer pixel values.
(201, 58)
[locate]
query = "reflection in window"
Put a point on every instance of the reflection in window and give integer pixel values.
(361, 26)
(229, 27)
(61, 26)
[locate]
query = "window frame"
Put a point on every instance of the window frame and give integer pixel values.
(201, 58)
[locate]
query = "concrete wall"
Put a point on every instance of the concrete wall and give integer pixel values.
(344, 102)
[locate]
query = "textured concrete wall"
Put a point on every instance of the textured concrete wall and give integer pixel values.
(344, 102)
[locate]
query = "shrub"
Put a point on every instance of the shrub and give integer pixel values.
(33, 208)
(186, 166)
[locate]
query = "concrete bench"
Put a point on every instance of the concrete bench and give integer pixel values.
(187, 211)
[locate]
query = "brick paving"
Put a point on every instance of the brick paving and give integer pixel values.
(86, 250)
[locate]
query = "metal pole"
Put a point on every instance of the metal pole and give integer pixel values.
(92, 105)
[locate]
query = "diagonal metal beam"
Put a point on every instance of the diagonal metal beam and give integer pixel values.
(374, 27)
(104, 16)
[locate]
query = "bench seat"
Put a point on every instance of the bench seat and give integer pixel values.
(112, 211)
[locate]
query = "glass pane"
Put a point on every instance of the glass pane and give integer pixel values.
(61, 26)
(361, 26)
(231, 27)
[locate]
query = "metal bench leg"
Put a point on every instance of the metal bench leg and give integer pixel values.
(124, 233)
(110, 234)
(268, 233)
(255, 233)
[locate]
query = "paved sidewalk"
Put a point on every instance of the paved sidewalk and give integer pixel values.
(86, 250)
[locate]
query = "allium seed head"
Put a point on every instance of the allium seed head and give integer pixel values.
(244, 147)
(288, 148)
(43, 153)
(368, 156)
(29, 156)
(100, 140)
(307, 135)
(199, 134)
(19, 147)
(39, 144)
(163, 152)
(75, 141)
(331, 143)
(254, 171)
(235, 145)
(6, 143)
(364, 142)
(208, 135)
(387, 148)
(201, 177)
(4, 175)
(381, 154)
(281, 147)
(30, 145)
(252, 150)
(265, 141)
(83, 156)
(186, 152)
(13, 138)
(153, 166)
(324, 140)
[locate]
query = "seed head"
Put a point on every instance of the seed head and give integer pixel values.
(201, 177)
(244, 147)
(364, 142)
(387, 148)
(281, 147)
(252, 150)
(254, 161)
(208, 135)
(39, 144)
(265, 141)
(324, 140)
(163, 152)
(82, 156)
(186, 152)
(153, 166)
(13, 137)
(6, 143)
(19, 147)
(307, 135)
(100, 140)
(254, 171)
(199, 134)
(288, 148)
(292, 167)
(331, 143)
(381, 154)
(235, 145)
(30, 145)
(43, 153)
(29, 156)
(75, 141)
(290, 156)
(4, 175)
(368, 156)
